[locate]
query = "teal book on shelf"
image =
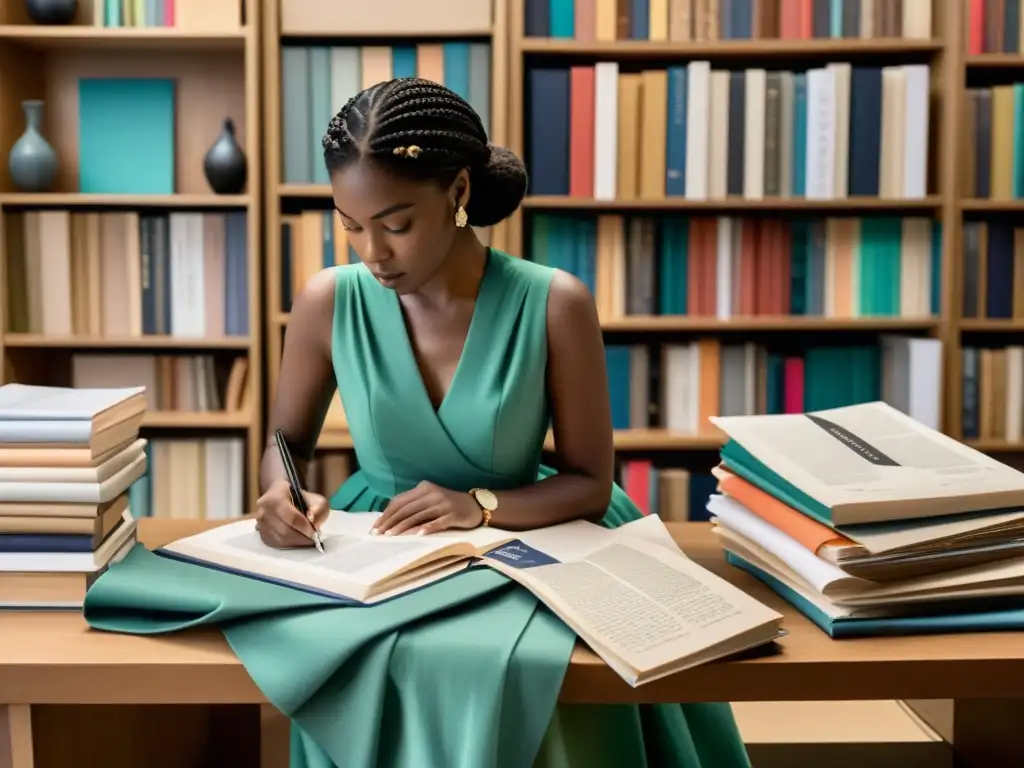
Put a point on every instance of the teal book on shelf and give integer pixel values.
(126, 136)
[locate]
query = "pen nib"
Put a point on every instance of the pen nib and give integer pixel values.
(318, 542)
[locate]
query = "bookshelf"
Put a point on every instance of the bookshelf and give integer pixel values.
(546, 37)
(372, 38)
(78, 271)
(987, 312)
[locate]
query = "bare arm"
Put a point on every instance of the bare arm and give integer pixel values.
(306, 383)
(581, 416)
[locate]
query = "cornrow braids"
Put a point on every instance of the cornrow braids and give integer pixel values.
(420, 130)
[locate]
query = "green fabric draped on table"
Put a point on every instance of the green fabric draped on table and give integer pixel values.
(464, 673)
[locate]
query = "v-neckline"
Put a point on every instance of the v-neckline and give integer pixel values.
(409, 353)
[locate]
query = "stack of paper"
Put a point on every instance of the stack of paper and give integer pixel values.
(67, 459)
(870, 522)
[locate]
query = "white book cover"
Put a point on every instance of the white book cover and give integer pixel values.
(915, 126)
(606, 129)
(755, 90)
(698, 114)
(29, 402)
(821, 130)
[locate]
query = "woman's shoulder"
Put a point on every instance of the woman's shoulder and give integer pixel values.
(562, 285)
(515, 268)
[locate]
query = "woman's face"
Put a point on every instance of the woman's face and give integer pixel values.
(402, 230)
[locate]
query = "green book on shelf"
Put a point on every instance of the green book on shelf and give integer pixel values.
(126, 136)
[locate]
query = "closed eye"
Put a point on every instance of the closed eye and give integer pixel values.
(399, 230)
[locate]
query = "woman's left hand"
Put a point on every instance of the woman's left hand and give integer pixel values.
(428, 508)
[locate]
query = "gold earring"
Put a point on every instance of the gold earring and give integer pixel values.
(461, 217)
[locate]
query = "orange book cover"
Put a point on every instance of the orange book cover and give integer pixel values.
(807, 531)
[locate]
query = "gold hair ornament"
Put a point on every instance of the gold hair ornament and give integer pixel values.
(411, 151)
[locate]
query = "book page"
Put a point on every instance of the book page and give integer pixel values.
(868, 453)
(649, 605)
(353, 561)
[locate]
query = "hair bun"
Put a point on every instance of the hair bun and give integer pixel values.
(496, 188)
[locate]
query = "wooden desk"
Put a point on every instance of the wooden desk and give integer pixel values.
(55, 659)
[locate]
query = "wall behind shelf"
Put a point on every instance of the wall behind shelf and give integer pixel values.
(210, 87)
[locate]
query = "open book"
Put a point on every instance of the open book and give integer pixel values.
(638, 601)
(865, 463)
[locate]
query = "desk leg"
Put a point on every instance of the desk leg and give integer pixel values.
(275, 747)
(987, 733)
(16, 736)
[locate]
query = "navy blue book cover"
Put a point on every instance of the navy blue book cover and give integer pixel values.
(519, 555)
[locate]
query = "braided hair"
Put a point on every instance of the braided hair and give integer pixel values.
(421, 130)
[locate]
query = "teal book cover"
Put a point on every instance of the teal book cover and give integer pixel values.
(126, 136)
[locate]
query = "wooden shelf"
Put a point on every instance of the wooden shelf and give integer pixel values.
(387, 36)
(795, 324)
(80, 200)
(664, 440)
(137, 38)
(992, 206)
(304, 190)
(725, 49)
(995, 446)
(146, 343)
(995, 61)
(843, 205)
(990, 325)
(625, 440)
(783, 324)
(185, 420)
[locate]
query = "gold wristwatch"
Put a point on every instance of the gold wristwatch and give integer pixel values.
(488, 503)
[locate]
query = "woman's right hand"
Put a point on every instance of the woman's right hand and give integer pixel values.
(281, 525)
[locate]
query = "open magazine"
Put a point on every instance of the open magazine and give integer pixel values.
(630, 593)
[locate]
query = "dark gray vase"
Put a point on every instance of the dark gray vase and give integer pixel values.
(52, 11)
(32, 162)
(225, 165)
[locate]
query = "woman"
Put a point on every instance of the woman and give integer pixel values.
(452, 359)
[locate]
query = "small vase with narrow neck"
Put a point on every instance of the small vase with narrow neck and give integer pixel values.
(32, 162)
(225, 165)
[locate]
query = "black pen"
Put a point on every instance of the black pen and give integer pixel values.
(294, 485)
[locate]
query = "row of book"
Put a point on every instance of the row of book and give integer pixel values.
(674, 494)
(993, 270)
(192, 479)
(994, 26)
(992, 379)
(681, 387)
(317, 81)
(131, 13)
(871, 523)
(993, 143)
(738, 267)
(691, 131)
(310, 241)
(181, 383)
(68, 458)
(703, 21)
(128, 273)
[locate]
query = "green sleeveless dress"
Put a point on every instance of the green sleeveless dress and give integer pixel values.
(464, 673)
(489, 432)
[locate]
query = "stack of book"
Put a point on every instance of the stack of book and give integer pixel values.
(67, 460)
(871, 523)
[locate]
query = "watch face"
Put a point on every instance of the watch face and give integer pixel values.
(487, 499)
